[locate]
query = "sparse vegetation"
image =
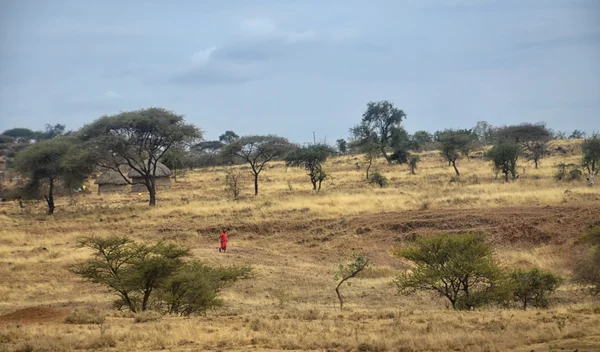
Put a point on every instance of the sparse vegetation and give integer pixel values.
(378, 179)
(348, 271)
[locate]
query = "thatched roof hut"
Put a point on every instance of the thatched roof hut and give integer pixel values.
(162, 180)
(111, 182)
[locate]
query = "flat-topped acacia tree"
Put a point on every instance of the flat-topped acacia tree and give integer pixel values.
(137, 140)
(257, 151)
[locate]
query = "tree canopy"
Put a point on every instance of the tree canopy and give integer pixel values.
(137, 140)
(49, 162)
(257, 151)
(381, 119)
(591, 156)
(504, 158)
(532, 137)
(453, 144)
(311, 159)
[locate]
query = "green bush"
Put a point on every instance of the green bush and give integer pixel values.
(155, 276)
(458, 267)
(378, 179)
(532, 288)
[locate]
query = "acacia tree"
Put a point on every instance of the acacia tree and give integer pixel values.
(458, 267)
(532, 137)
(591, 156)
(348, 271)
(147, 276)
(504, 158)
(137, 140)
(342, 145)
(257, 151)
(311, 158)
(380, 119)
(53, 161)
(453, 144)
(228, 137)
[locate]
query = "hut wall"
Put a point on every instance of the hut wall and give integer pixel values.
(161, 183)
(111, 188)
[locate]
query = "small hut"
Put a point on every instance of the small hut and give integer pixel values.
(162, 180)
(111, 182)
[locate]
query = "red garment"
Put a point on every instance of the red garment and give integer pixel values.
(223, 239)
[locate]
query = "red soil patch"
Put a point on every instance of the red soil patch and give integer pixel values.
(35, 315)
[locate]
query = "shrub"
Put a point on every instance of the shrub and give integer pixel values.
(378, 179)
(533, 287)
(155, 276)
(458, 267)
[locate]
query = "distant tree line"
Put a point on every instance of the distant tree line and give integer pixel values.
(139, 140)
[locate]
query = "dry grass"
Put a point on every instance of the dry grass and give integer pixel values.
(294, 238)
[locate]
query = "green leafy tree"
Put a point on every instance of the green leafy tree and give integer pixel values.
(52, 132)
(21, 134)
(533, 287)
(342, 145)
(591, 156)
(504, 158)
(154, 276)
(454, 144)
(311, 158)
(458, 267)
(379, 179)
(420, 139)
(228, 137)
(484, 132)
(414, 163)
(137, 140)
(380, 120)
(348, 271)
(577, 134)
(532, 137)
(257, 151)
(51, 162)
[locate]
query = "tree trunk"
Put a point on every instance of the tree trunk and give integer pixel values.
(506, 176)
(175, 174)
(340, 298)
(318, 189)
(369, 167)
(255, 184)
(455, 168)
(152, 192)
(387, 157)
(412, 170)
(535, 161)
(145, 299)
(50, 198)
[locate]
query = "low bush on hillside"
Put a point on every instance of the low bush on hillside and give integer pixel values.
(461, 269)
(155, 276)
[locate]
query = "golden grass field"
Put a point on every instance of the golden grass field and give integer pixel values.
(294, 238)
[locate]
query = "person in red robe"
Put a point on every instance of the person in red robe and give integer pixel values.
(223, 239)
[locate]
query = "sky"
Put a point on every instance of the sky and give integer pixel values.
(294, 67)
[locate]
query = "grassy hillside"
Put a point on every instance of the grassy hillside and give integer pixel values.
(294, 238)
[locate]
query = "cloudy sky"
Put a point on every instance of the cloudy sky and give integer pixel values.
(294, 67)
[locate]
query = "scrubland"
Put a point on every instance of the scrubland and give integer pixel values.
(294, 238)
